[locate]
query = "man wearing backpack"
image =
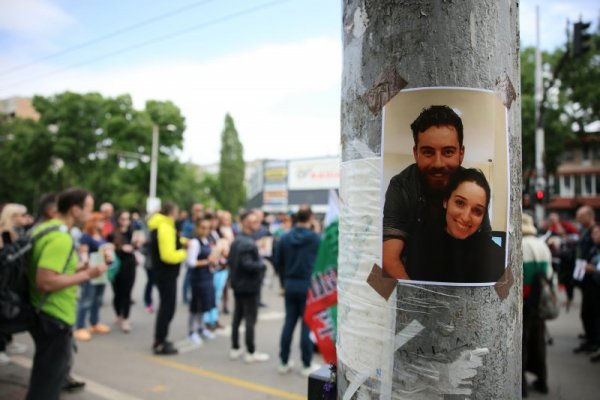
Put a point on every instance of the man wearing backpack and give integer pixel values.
(54, 273)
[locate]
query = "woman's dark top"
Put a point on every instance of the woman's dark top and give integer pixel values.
(442, 258)
(200, 276)
(119, 239)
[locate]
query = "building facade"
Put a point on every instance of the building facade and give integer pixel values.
(284, 185)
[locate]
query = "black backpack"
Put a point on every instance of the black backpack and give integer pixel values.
(16, 312)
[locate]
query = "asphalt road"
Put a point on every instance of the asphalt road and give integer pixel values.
(120, 366)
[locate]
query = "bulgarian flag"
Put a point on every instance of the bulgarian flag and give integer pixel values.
(321, 303)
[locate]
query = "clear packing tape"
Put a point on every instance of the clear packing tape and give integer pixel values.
(406, 341)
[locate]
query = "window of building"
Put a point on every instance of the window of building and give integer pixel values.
(568, 155)
(587, 185)
(566, 187)
(587, 156)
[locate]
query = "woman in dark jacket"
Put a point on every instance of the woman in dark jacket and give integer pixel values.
(460, 251)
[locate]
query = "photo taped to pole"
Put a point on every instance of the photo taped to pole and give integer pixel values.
(445, 187)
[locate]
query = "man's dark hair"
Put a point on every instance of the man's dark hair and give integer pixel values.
(245, 215)
(469, 175)
(437, 116)
(46, 201)
(167, 207)
(303, 215)
(70, 198)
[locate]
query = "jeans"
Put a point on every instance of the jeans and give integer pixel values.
(185, 289)
(90, 301)
(295, 304)
(246, 307)
(148, 288)
(167, 290)
(52, 359)
(219, 280)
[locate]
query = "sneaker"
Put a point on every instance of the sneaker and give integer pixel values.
(195, 338)
(16, 348)
(585, 347)
(165, 349)
(126, 326)
(235, 354)
(82, 335)
(72, 385)
(207, 334)
(250, 358)
(4, 358)
(99, 328)
(285, 368)
(306, 371)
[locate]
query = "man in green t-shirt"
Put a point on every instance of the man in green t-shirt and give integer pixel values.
(54, 273)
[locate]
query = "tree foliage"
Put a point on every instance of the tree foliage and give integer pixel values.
(231, 191)
(102, 144)
(571, 101)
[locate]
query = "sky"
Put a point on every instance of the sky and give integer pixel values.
(274, 65)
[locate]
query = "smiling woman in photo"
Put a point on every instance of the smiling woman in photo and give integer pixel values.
(460, 250)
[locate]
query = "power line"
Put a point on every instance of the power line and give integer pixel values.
(107, 36)
(152, 41)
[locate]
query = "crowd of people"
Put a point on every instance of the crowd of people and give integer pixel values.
(77, 252)
(569, 251)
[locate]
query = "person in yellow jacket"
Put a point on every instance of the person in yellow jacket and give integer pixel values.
(167, 253)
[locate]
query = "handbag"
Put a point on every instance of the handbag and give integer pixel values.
(548, 305)
(113, 268)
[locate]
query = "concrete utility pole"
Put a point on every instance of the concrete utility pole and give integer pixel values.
(424, 342)
(154, 162)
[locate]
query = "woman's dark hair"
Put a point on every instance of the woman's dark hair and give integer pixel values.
(469, 175)
(70, 198)
(119, 238)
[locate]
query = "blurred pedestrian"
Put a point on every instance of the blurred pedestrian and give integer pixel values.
(12, 225)
(167, 254)
(54, 274)
(107, 211)
(296, 254)
(188, 230)
(592, 273)
(125, 247)
(246, 272)
(537, 264)
(586, 217)
(91, 247)
(200, 261)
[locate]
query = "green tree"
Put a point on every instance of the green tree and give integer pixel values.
(27, 166)
(231, 193)
(102, 144)
(571, 101)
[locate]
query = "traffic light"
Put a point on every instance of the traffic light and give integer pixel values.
(539, 195)
(581, 38)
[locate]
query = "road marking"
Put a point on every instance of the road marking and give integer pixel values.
(92, 387)
(230, 380)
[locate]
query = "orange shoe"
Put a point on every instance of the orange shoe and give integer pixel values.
(82, 335)
(99, 328)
